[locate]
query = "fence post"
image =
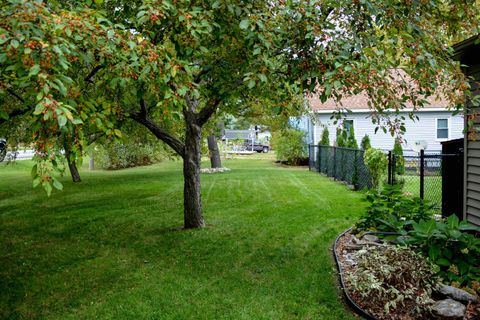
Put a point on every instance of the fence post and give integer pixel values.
(319, 159)
(394, 168)
(422, 173)
(335, 163)
(389, 178)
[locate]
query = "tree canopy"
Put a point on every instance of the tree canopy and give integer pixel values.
(74, 68)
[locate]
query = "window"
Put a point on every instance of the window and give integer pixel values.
(347, 124)
(442, 128)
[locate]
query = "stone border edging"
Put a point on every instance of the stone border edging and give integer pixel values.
(350, 302)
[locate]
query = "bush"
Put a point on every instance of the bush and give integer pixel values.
(397, 279)
(365, 144)
(449, 245)
(376, 162)
(290, 146)
(341, 138)
(351, 141)
(391, 211)
(325, 141)
(116, 155)
(399, 159)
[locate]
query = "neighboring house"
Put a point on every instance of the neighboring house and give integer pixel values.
(435, 124)
(304, 124)
(468, 53)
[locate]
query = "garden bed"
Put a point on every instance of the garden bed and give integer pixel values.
(417, 297)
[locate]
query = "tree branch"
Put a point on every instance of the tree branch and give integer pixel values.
(18, 112)
(207, 111)
(142, 118)
(89, 77)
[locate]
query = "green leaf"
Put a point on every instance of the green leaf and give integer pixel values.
(452, 221)
(39, 109)
(251, 83)
(3, 40)
(34, 70)
(244, 24)
(262, 77)
(77, 121)
(337, 85)
(36, 182)
(62, 120)
(433, 252)
(57, 184)
(15, 43)
(61, 87)
(4, 115)
(48, 188)
(443, 262)
(34, 170)
(328, 89)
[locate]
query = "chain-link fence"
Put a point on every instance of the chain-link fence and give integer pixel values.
(422, 175)
(344, 164)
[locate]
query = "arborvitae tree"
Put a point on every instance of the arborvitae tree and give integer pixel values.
(365, 144)
(341, 138)
(399, 159)
(351, 141)
(325, 141)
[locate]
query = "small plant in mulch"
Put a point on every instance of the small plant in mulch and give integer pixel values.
(393, 283)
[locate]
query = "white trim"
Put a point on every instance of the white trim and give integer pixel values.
(370, 110)
(448, 129)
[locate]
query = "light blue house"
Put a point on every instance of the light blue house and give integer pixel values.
(436, 124)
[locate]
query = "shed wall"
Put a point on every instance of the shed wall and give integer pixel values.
(472, 158)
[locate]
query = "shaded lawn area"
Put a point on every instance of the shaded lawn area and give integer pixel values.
(110, 247)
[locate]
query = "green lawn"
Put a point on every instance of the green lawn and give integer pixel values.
(111, 247)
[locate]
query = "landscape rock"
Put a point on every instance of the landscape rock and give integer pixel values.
(449, 309)
(370, 238)
(457, 294)
(214, 170)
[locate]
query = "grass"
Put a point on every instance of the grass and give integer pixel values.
(432, 188)
(111, 247)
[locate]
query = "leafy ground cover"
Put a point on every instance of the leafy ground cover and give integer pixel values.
(111, 246)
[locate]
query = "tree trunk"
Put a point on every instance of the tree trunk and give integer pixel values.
(192, 201)
(214, 152)
(72, 165)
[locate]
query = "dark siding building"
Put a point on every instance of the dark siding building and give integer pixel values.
(468, 53)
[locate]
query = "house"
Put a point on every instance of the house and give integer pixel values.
(468, 53)
(435, 125)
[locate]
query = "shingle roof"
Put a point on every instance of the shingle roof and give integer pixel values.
(360, 101)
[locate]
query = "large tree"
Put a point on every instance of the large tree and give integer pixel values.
(171, 64)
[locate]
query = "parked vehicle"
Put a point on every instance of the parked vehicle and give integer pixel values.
(256, 146)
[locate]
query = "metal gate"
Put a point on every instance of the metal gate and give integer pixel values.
(452, 178)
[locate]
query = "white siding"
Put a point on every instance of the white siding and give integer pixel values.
(424, 129)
